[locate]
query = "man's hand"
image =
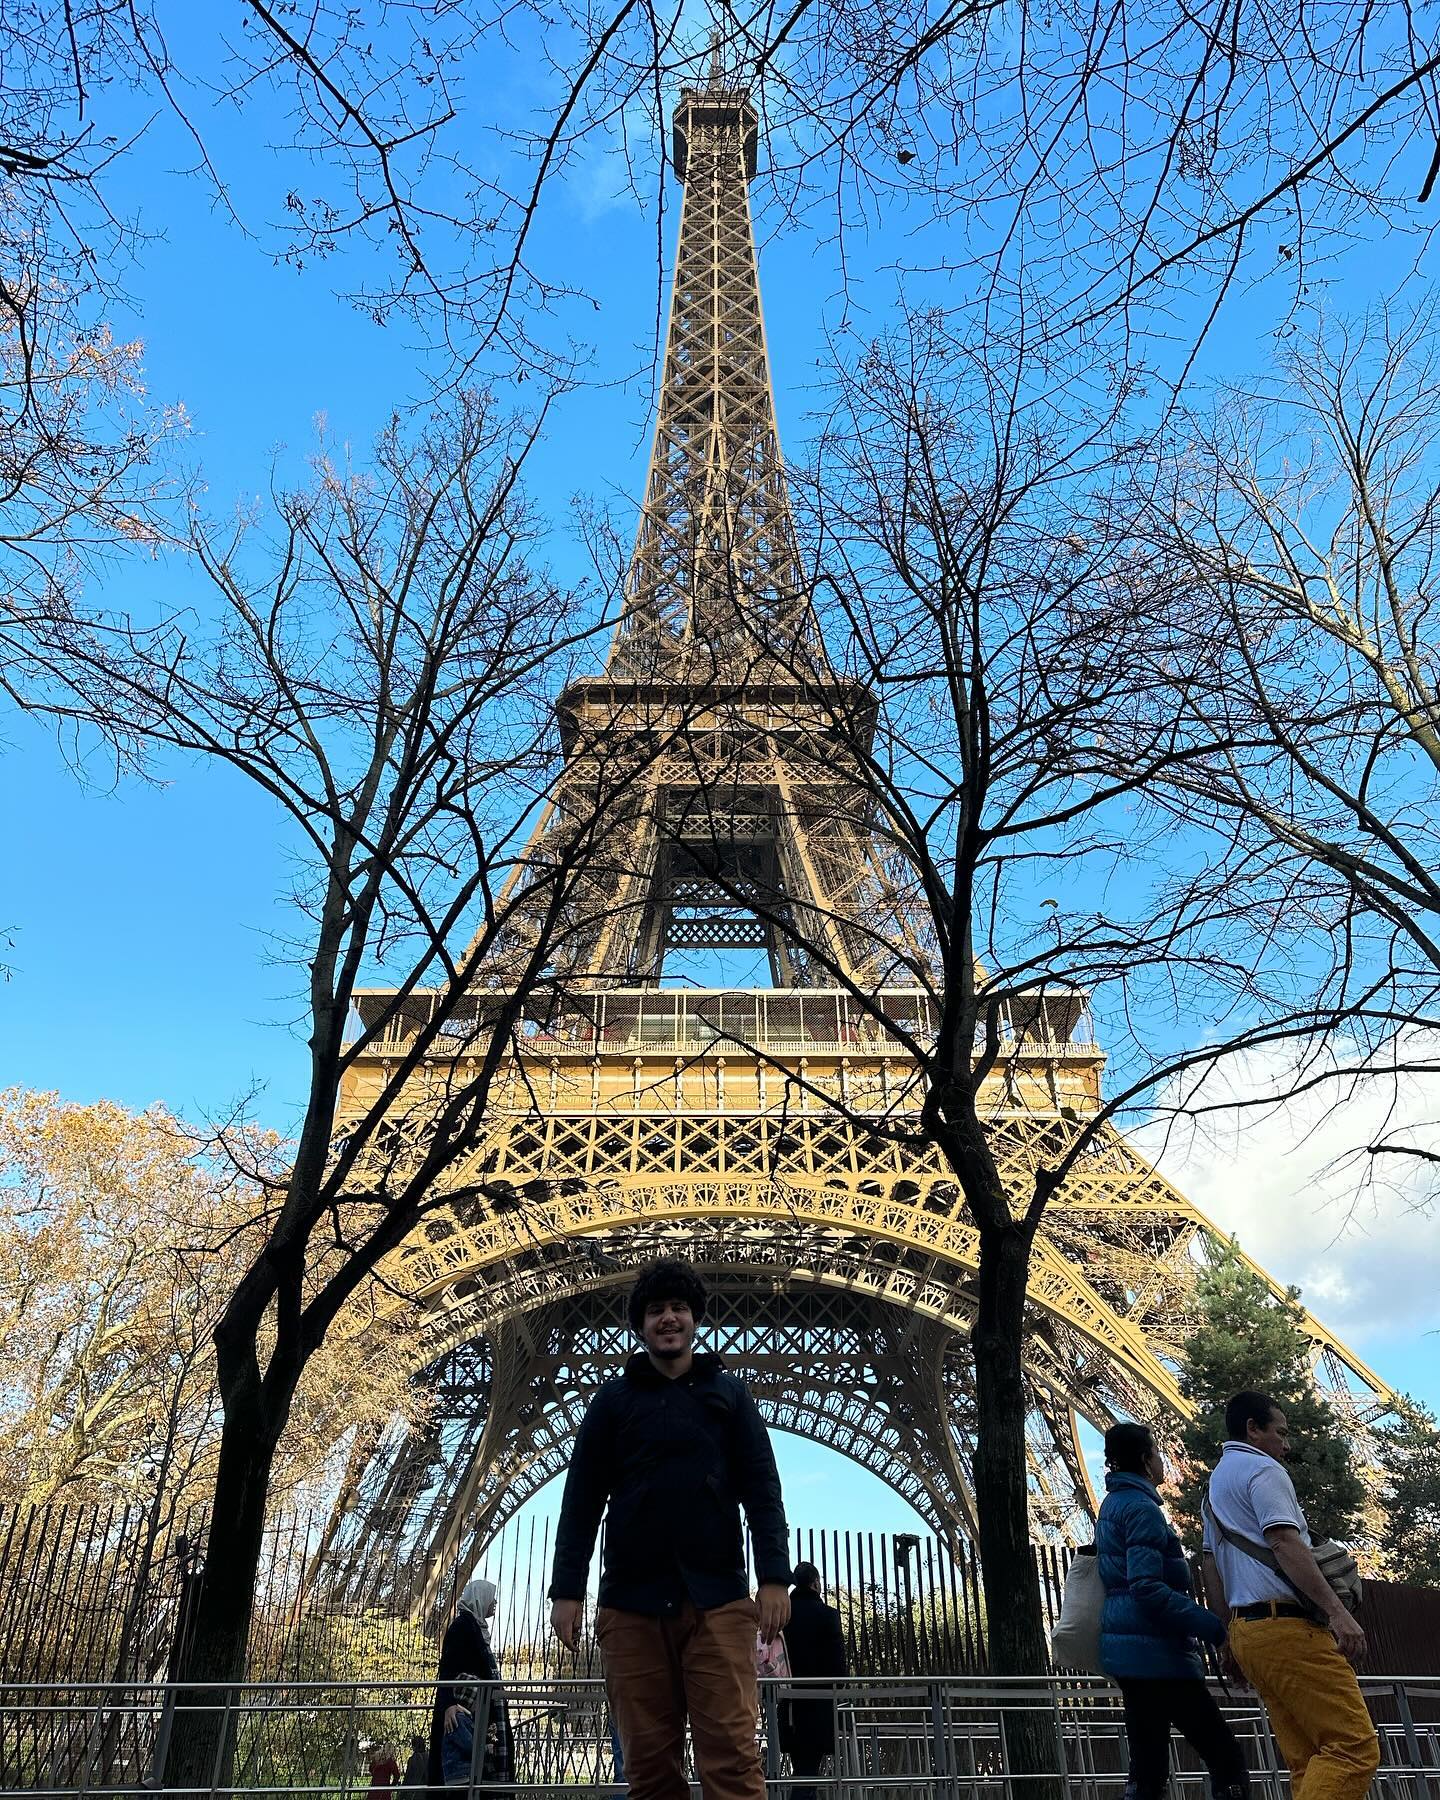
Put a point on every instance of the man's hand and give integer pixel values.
(452, 1717)
(773, 1600)
(1230, 1670)
(1348, 1634)
(1298, 1562)
(565, 1621)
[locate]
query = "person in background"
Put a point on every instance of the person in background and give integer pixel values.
(1150, 1626)
(469, 1681)
(815, 1639)
(384, 1768)
(417, 1768)
(1293, 1639)
(674, 1447)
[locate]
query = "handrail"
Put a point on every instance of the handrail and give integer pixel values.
(593, 1044)
(918, 1737)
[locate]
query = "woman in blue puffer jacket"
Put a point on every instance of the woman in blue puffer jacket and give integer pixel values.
(1150, 1625)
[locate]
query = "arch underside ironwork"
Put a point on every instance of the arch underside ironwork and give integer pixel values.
(843, 1295)
(877, 1383)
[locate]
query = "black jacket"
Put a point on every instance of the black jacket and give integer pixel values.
(675, 1461)
(815, 1640)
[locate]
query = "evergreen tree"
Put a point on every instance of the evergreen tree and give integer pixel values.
(1410, 1459)
(1244, 1338)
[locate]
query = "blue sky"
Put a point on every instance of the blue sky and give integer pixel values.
(143, 917)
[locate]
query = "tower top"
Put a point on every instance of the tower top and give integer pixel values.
(718, 110)
(721, 108)
(716, 576)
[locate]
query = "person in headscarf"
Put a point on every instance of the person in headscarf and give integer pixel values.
(469, 1687)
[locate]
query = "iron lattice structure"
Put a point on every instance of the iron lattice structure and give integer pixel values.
(634, 1120)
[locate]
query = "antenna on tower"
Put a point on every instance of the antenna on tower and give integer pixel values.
(724, 49)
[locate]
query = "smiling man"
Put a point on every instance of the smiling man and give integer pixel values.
(674, 1448)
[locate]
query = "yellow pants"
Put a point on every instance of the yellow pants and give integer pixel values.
(1320, 1722)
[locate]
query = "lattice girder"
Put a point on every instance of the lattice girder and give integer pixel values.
(677, 1140)
(716, 561)
(769, 810)
(614, 1214)
(712, 802)
(818, 1206)
(875, 1384)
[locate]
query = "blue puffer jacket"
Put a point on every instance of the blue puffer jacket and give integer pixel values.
(1150, 1623)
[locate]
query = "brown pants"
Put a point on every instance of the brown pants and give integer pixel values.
(697, 1663)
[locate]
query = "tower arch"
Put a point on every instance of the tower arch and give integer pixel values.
(864, 1376)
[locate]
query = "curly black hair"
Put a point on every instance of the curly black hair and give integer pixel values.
(670, 1280)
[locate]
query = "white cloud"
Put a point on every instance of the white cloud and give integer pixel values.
(1291, 1181)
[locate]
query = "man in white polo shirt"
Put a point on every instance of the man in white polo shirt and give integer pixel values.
(1294, 1639)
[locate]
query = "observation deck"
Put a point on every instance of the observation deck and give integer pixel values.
(651, 1047)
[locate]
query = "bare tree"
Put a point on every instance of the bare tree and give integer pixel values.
(83, 460)
(970, 526)
(382, 668)
(1116, 154)
(1293, 634)
(958, 513)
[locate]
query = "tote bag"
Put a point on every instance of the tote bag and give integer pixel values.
(1075, 1641)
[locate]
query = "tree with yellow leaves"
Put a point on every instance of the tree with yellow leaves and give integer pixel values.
(121, 1235)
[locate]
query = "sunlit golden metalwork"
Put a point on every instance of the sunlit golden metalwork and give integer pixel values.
(729, 1125)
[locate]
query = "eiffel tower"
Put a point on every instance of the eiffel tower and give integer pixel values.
(637, 1119)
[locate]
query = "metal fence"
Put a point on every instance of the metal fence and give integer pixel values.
(905, 1738)
(91, 1594)
(94, 1594)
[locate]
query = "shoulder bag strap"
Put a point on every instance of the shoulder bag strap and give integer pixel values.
(1260, 1553)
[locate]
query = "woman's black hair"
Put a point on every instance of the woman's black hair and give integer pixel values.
(665, 1281)
(1127, 1446)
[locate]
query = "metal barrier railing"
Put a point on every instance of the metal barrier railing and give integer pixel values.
(900, 1738)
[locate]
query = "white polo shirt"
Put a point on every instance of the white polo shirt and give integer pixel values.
(1248, 1492)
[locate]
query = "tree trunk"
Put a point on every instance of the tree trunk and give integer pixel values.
(202, 1744)
(1014, 1622)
